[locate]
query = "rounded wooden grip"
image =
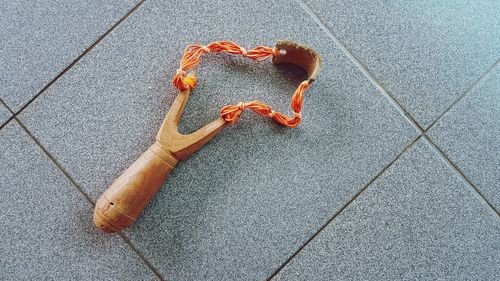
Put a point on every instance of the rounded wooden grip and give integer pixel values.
(121, 204)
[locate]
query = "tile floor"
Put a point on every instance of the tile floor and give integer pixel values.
(393, 174)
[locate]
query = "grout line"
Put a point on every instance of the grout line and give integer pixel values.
(349, 203)
(146, 262)
(87, 50)
(141, 256)
(6, 106)
(455, 168)
(474, 85)
(8, 119)
(393, 101)
(360, 66)
(405, 114)
(59, 166)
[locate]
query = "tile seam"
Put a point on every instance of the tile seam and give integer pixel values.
(360, 66)
(459, 172)
(73, 182)
(78, 58)
(344, 207)
(394, 102)
(473, 87)
(11, 115)
(403, 112)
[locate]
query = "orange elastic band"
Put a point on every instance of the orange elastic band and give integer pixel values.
(183, 80)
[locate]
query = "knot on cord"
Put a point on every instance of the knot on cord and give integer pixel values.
(297, 114)
(183, 81)
(206, 49)
(241, 106)
(231, 113)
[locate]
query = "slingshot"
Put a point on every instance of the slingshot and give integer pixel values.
(121, 204)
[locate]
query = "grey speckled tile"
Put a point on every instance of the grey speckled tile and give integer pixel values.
(240, 206)
(470, 136)
(5, 114)
(40, 38)
(46, 233)
(425, 53)
(418, 221)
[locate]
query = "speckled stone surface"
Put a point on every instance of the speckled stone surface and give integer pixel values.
(418, 221)
(425, 53)
(40, 38)
(470, 135)
(5, 114)
(246, 201)
(46, 233)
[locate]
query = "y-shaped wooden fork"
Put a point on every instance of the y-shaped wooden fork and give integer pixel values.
(121, 204)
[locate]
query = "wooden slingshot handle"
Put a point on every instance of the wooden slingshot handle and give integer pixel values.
(124, 200)
(122, 203)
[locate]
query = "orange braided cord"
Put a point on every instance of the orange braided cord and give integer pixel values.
(231, 113)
